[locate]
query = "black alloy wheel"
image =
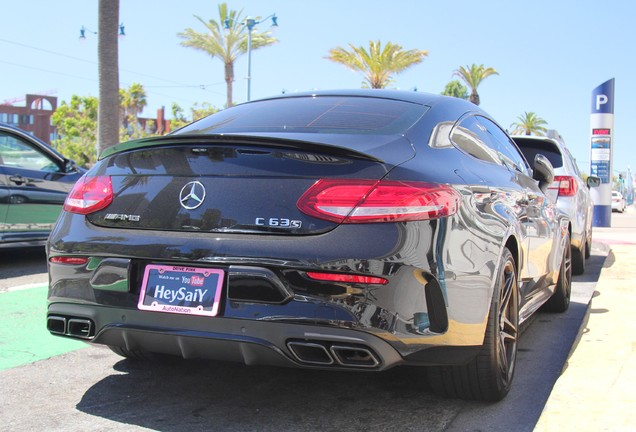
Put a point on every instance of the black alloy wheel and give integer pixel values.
(508, 322)
(578, 257)
(560, 300)
(489, 375)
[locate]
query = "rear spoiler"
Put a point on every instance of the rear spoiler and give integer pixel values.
(224, 139)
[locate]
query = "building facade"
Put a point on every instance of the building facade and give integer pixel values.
(34, 117)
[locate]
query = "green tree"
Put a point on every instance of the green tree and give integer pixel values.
(225, 44)
(455, 89)
(473, 76)
(529, 123)
(203, 110)
(76, 124)
(179, 119)
(377, 64)
(197, 112)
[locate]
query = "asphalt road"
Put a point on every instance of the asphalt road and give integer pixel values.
(92, 389)
(22, 268)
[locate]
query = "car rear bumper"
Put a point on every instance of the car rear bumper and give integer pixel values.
(432, 311)
(249, 342)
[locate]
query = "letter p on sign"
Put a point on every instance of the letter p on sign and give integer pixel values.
(600, 100)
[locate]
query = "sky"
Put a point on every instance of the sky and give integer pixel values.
(550, 55)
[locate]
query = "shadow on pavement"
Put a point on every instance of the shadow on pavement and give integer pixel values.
(206, 395)
(202, 395)
(22, 261)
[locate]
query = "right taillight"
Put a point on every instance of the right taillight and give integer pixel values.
(89, 195)
(367, 201)
(566, 185)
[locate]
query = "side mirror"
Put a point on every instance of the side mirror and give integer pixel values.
(543, 171)
(70, 166)
(593, 181)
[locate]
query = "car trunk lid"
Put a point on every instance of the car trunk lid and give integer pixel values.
(235, 183)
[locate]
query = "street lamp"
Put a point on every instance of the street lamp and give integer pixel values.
(83, 31)
(250, 23)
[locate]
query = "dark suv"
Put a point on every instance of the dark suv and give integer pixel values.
(34, 181)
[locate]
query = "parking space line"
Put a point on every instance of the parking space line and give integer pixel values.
(23, 335)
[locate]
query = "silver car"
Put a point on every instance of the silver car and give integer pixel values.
(569, 190)
(618, 202)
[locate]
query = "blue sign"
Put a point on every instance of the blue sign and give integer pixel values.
(601, 157)
(603, 98)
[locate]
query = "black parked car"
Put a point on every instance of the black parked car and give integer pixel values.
(34, 182)
(346, 230)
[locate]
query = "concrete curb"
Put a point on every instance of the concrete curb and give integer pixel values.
(595, 391)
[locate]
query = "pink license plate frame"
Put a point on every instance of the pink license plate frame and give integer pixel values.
(181, 290)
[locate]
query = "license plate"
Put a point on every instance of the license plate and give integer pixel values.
(181, 290)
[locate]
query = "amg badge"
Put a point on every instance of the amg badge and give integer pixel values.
(122, 217)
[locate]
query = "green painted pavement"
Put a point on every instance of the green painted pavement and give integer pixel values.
(23, 334)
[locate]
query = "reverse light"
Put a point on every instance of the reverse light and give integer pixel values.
(348, 278)
(366, 201)
(68, 260)
(566, 185)
(89, 195)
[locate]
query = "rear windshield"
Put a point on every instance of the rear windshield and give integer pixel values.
(322, 114)
(530, 148)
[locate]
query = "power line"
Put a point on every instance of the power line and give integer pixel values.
(47, 71)
(93, 80)
(179, 84)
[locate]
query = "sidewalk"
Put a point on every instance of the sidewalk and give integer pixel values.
(597, 389)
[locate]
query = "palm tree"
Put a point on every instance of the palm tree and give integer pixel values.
(473, 76)
(529, 123)
(108, 70)
(132, 101)
(378, 64)
(225, 44)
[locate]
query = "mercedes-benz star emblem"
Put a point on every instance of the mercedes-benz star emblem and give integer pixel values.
(192, 195)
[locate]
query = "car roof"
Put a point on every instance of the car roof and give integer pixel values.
(407, 96)
(537, 138)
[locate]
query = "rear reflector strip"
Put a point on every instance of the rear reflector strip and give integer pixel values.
(68, 260)
(348, 278)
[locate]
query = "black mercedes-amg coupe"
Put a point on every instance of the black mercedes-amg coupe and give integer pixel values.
(345, 230)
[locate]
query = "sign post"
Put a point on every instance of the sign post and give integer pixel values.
(602, 125)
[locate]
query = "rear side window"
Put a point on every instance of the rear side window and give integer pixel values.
(323, 114)
(530, 148)
(481, 138)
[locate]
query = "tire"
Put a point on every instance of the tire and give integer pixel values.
(488, 376)
(560, 300)
(588, 246)
(145, 356)
(578, 257)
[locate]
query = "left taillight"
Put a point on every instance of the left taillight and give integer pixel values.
(566, 185)
(365, 201)
(90, 194)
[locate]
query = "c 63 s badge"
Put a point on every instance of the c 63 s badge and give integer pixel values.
(278, 222)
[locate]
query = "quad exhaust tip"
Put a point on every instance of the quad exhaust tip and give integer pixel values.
(327, 354)
(74, 327)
